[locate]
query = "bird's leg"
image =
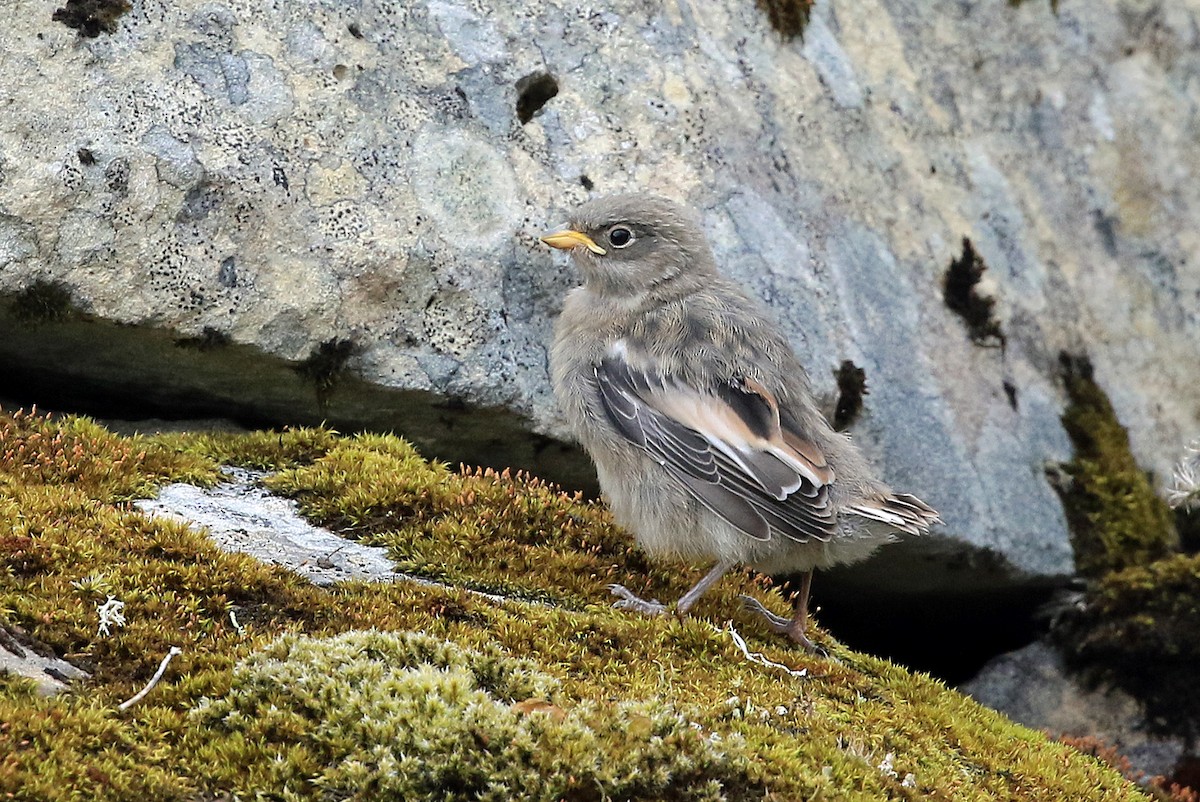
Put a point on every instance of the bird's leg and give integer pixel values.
(794, 627)
(628, 601)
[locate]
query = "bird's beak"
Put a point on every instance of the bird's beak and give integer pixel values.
(566, 240)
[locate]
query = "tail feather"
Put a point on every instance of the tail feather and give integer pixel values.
(905, 512)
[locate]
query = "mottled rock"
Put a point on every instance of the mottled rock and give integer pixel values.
(283, 176)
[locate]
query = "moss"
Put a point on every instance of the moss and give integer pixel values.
(1115, 517)
(493, 531)
(624, 687)
(92, 17)
(960, 291)
(852, 388)
(398, 716)
(789, 18)
(42, 302)
(1137, 628)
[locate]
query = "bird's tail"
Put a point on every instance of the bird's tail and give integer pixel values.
(901, 511)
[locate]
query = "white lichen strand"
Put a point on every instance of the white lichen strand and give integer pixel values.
(112, 614)
(1185, 493)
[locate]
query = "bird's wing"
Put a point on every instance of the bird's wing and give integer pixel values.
(726, 445)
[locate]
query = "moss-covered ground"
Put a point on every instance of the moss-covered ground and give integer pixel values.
(404, 691)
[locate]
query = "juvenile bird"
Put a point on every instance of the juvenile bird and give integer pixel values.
(697, 413)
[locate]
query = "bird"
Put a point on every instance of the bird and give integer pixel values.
(707, 441)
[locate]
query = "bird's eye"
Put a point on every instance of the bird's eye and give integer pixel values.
(620, 237)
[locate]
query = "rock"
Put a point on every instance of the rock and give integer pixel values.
(26, 657)
(351, 190)
(242, 517)
(1032, 687)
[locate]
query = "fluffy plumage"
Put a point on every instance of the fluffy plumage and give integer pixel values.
(698, 415)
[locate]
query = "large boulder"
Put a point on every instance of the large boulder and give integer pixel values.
(356, 188)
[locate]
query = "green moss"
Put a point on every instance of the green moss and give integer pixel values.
(624, 687)
(1137, 628)
(399, 716)
(497, 532)
(1115, 517)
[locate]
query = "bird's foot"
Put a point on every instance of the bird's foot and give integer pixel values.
(792, 627)
(626, 600)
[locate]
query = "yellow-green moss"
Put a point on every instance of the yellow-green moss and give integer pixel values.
(71, 539)
(498, 532)
(402, 716)
(1115, 517)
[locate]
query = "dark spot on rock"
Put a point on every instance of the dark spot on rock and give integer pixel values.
(279, 177)
(1010, 390)
(355, 30)
(86, 157)
(852, 387)
(42, 302)
(91, 17)
(227, 275)
(1105, 226)
(961, 294)
(326, 364)
(199, 201)
(788, 17)
(586, 183)
(533, 91)
(209, 339)
(116, 176)
(452, 103)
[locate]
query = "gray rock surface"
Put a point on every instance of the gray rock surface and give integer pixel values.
(282, 176)
(1032, 687)
(24, 657)
(240, 516)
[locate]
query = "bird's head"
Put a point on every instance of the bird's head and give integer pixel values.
(627, 245)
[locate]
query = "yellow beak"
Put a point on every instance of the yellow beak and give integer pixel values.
(566, 240)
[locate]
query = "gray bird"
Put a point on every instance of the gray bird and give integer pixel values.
(697, 413)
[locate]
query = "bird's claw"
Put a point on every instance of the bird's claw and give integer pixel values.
(626, 600)
(784, 626)
(776, 622)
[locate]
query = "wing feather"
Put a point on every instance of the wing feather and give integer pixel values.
(726, 446)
